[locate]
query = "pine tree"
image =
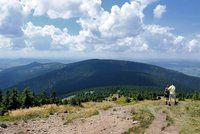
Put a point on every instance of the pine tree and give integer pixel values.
(53, 98)
(1, 98)
(27, 98)
(6, 99)
(195, 96)
(139, 97)
(14, 99)
(154, 97)
(43, 98)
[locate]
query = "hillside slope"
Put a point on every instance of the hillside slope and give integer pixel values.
(15, 75)
(94, 73)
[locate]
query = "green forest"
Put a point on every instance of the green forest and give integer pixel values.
(14, 99)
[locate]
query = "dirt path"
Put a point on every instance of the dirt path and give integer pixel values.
(158, 125)
(171, 130)
(115, 121)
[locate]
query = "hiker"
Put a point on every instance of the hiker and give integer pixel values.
(166, 94)
(172, 94)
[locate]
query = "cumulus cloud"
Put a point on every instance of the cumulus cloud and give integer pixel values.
(194, 45)
(159, 11)
(5, 43)
(11, 18)
(62, 8)
(119, 32)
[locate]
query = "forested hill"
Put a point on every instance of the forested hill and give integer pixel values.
(15, 75)
(98, 73)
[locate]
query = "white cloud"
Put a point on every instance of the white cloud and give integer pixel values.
(118, 33)
(5, 43)
(194, 45)
(179, 40)
(11, 18)
(123, 21)
(159, 11)
(50, 38)
(62, 8)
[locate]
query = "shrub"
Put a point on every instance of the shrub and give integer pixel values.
(3, 110)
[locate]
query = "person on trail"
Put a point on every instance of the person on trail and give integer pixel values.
(166, 94)
(172, 94)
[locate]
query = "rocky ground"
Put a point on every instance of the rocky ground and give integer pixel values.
(115, 120)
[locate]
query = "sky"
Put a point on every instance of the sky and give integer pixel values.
(114, 29)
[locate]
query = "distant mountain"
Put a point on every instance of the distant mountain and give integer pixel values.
(95, 73)
(188, 67)
(8, 63)
(15, 75)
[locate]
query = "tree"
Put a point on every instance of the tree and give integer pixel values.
(75, 101)
(43, 98)
(128, 100)
(14, 99)
(6, 99)
(195, 96)
(139, 97)
(154, 96)
(27, 98)
(53, 98)
(1, 98)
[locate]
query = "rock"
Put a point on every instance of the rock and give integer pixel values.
(135, 122)
(15, 123)
(3, 125)
(43, 121)
(65, 111)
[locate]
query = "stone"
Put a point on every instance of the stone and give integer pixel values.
(3, 125)
(65, 111)
(135, 122)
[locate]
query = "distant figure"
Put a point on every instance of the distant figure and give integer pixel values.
(172, 94)
(166, 94)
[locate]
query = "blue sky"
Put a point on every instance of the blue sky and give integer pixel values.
(120, 29)
(185, 19)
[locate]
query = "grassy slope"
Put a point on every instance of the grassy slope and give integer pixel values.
(185, 116)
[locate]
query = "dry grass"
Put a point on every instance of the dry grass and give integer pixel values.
(188, 116)
(36, 112)
(84, 113)
(143, 112)
(74, 112)
(89, 109)
(98, 105)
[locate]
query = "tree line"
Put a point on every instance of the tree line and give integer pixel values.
(130, 92)
(13, 99)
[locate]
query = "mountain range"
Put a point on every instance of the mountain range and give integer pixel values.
(15, 75)
(65, 78)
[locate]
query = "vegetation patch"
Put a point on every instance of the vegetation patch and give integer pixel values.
(36, 112)
(84, 113)
(191, 123)
(89, 109)
(144, 117)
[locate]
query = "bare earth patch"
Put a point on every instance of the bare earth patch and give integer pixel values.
(158, 125)
(115, 120)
